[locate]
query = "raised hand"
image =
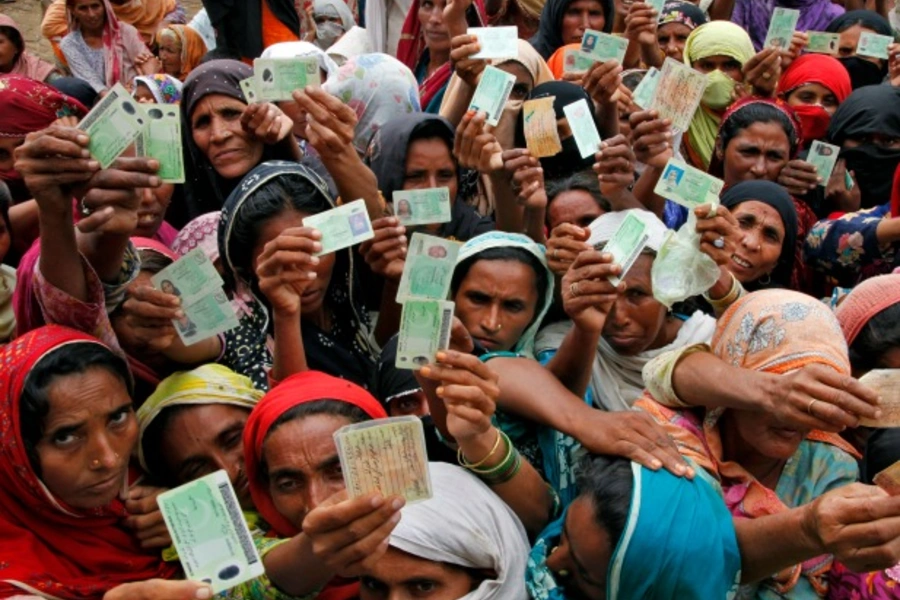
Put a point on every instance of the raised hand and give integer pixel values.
(587, 293)
(386, 252)
(651, 138)
(286, 267)
(266, 122)
(475, 146)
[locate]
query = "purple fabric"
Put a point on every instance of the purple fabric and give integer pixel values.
(754, 16)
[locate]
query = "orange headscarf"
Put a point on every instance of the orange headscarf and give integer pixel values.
(193, 48)
(557, 62)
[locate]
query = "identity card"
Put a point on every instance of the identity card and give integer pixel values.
(656, 5)
(428, 269)
(205, 317)
(161, 140)
(687, 186)
(209, 532)
(191, 276)
(278, 78)
(541, 134)
(113, 124)
(387, 456)
(886, 383)
(821, 42)
(422, 207)
(496, 42)
(889, 479)
(678, 93)
(781, 28)
(492, 93)
(581, 122)
(874, 45)
(342, 227)
(602, 47)
(576, 61)
(627, 243)
(823, 157)
(643, 93)
(248, 86)
(424, 329)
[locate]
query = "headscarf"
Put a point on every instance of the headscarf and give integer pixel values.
(347, 349)
(467, 525)
(771, 331)
(121, 45)
(684, 13)
(353, 43)
(548, 38)
(298, 49)
(716, 38)
(557, 61)
(329, 32)
(569, 160)
(825, 70)
(378, 88)
(27, 106)
(773, 195)
(617, 380)
(202, 232)
(865, 301)
(190, 44)
(863, 72)
(165, 88)
(674, 526)
(756, 15)
(50, 548)
(26, 64)
(869, 110)
(499, 239)
(302, 388)
(208, 384)
(869, 19)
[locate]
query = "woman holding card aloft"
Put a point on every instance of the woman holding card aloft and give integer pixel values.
(565, 21)
(863, 70)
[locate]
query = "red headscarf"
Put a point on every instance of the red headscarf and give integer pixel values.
(27, 105)
(825, 70)
(48, 546)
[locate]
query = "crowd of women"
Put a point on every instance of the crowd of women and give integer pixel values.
(585, 440)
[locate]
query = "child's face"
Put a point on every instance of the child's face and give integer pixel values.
(5, 240)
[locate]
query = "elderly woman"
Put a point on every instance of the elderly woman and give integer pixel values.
(68, 432)
(180, 50)
(763, 466)
(18, 61)
(565, 21)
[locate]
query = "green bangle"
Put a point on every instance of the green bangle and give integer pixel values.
(506, 475)
(510, 452)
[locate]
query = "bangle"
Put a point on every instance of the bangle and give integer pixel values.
(463, 461)
(508, 473)
(510, 451)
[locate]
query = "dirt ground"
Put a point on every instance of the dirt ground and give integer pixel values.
(27, 13)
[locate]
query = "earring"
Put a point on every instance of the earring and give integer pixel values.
(765, 279)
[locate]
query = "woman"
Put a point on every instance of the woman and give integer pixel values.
(332, 18)
(576, 199)
(616, 523)
(425, 47)
(764, 467)
(814, 85)
(756, 17)
(63, 469)
(275, 197)
(676, 22)
(158, 89)
(16, 60)
(863, 70)
(378, 88)
(180, 50)
(565, 21)
(100, 49)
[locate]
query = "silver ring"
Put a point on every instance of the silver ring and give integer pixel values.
(573, 289)
(719, 243)
(84, 210)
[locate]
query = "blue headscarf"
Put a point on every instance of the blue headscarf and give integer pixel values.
(678, 544)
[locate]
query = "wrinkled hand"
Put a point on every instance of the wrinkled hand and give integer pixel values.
(286, 267)
(266, 122)
(114, 195)
(641, 24)
(815, 397)
(651, 138)
(145, 518)
(527, 177)
(350, 535)
(144, 320)
(469, 390)
(763, 70)
(587, 293)
(722, 226)
(475, 145)
(837, 195)
(386, 252)
(330, 124)
(566, 242)
(147, 64)
(602, 81)
(798, 177)
(614, 165)
(160, 589)
(462, 47)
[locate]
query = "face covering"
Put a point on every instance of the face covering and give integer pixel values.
(862, 72)
(814, 121)
(873, 168)
(327, 34)
(719, 90)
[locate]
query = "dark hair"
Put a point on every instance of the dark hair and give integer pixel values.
(34, 402)
(151, 444)
(879, 335)
(153, 261)
(585, 181)
(15, 37)
(607, 481)
(431, 129)
(757, 112)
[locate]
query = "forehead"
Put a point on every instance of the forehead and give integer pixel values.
(762, 211)
(85, 396)
(397, 567)
(214, 102)
(513, 276)
(518, 70)
(427, 150)
(763, 131)
(303, 443)
(208, 418)
(640, 271)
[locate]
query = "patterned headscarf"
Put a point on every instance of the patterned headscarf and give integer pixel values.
(685, 13)
(27, 106)
(165, 88)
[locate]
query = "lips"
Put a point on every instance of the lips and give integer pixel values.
(230, 154)
(488, 343)
(107, 485)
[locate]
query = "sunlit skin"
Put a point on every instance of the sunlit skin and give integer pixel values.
(217, 131)
(415, 403)
(401, 576)
(762, 236)
(524, 81)
(170, 56)
(91, 16)
(89, 434)
(313, 299)
(812, 94)
(202, 439)
(429, 164)
(303, 465)
(849, 40)
(720, 62)
(573, 206)
(437, 36)
(8, 52)
(8, 146)
(580, 16)
(759, 151)
(496, 302)
(581, 561)
(637, 321)
(671, 38)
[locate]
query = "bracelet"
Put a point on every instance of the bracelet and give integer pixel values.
(507, 474)
(729, 298)
(463, 461)
(503, 464)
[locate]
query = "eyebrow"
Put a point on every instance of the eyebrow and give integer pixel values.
(297, 473)
(76, 426)
(578, 563)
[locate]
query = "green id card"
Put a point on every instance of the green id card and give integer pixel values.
(342, 227)
(424, 329)
(113, 125)
(428, 269)
(161, 139)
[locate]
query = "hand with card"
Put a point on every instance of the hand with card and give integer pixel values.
(763, 70)
(720, 228)
(840, 196)
(567, 241)
(386, 252)
(798, 177)
(587, 292)
(602, 81)
(894, 63)
(615, 166)
(475, 146)
(266, 122)
(527, 176)
(641, 23)
(160, 589)
(288, 267)
(651, 138)
(469, 69)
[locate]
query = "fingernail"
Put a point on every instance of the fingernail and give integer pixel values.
(93, 165)
(317, 247)
(397, 504)
(655, 464)
(440, 392)
(179, 314)
(425, 371)
(83, 139)
(311, 275)
(377, 501)
(203, 593)
(154, 181)
(441, 356)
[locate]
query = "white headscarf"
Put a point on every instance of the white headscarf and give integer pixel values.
(352, 44)
(467, 525)
(298, 49)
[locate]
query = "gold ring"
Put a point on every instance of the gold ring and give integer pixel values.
(809, 407)
(573, 289)
(767, 75)
(555, 253)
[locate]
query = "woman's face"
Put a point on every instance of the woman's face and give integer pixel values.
(401, 576)
(303, 465)
(762, 433)
(152, 211)
(672, 38)
(415, 403)
(217, 131)
(90, 14)
(429, 164)
(762, 236)
(8, 147)
(431, 20)
(636, 321)
(89, 434)
(167, 287)
(812, 94)
(720, 62)
(882, 140)
(849, 40)
(496, 302)
(143, 94)
(314, 296)
(581, 561)
(8, 53)
(580, 16)
(573, 206)
(199, 440)
(170, 55)
(524, 81)
(759, 151)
